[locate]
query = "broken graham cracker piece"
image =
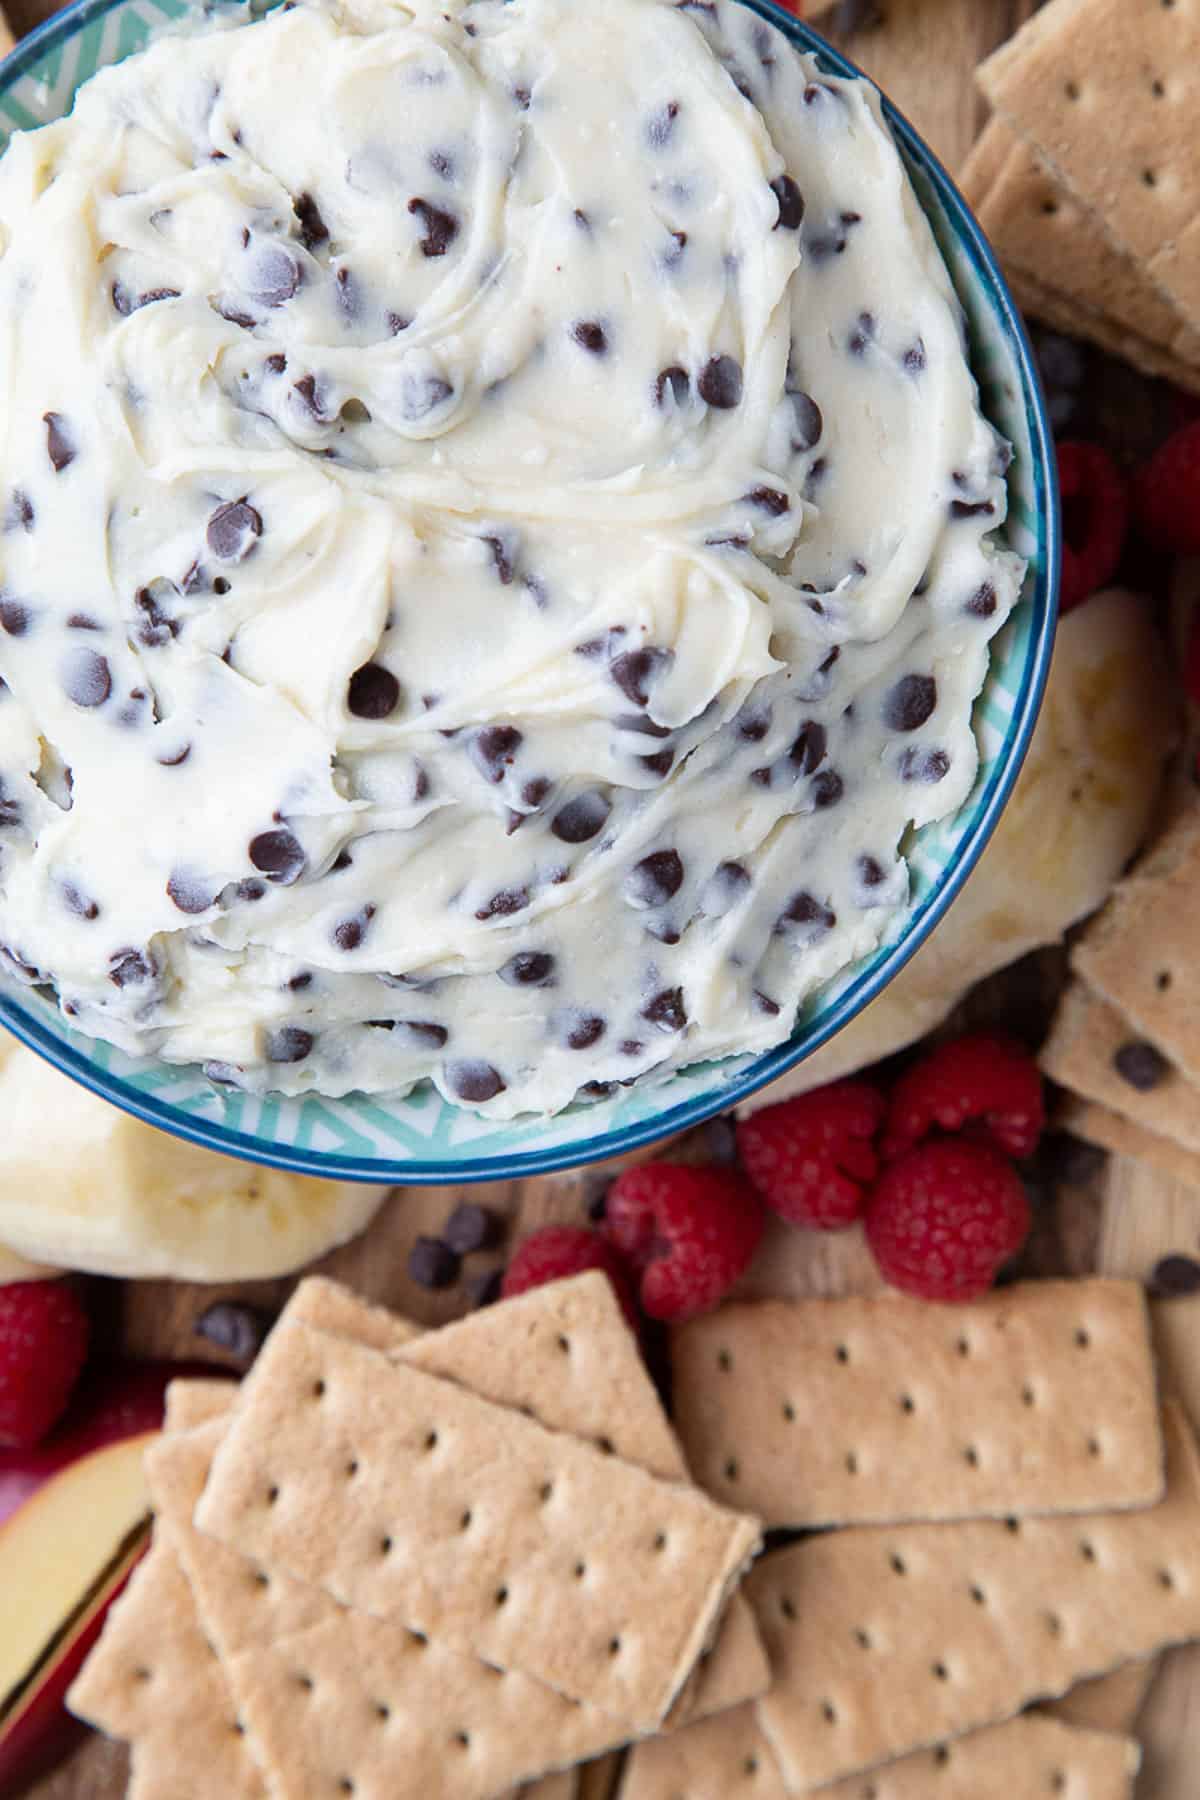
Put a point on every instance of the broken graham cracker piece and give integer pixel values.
(726, 1758)
(1093, 1051)
(404, 1495)
(1112, 1131)
(194, 1400)
(1107, 91)
(1108, 1702)
(273, 1633)
(564, 1354)
(870, 1409)
(1027, 1756)
(1139, 953)
(885, 1640)
(154, 1680)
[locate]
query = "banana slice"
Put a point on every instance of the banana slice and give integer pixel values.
(15, 1268)
(85, 1186)
(1083, 803)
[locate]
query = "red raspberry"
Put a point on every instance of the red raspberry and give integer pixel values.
(689, 1232)
(1095, 505)
(984, 1082)
(945, 1217)
(1167, 493)
(43, 1343)
(813, 1158)
(557, 1251)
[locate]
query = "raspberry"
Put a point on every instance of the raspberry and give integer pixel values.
(945, 1217)
(1095, 516)
(557, 1251)
(43, 1343)
(813, 1158)
(986, 1083)
(1167, 493)
(689, 1232)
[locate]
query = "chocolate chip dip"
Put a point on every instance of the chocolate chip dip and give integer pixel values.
(496, 545)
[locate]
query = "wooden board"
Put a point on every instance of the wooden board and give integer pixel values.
(923, 54)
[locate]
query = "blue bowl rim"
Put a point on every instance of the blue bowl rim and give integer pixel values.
(769, 1067)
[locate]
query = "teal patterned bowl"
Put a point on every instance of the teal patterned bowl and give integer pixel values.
(423, 1138)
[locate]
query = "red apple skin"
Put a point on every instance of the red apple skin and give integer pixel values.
(46, 1731)
(114, 1400)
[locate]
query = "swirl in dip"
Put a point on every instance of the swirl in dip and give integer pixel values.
(496, 548)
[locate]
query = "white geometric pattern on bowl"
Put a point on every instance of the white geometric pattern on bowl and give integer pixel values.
(423, 1137)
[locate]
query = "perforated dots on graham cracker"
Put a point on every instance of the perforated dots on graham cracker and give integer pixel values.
(887, 1639)
(405, 1495)
(1038, 1398)
(1035, 1758)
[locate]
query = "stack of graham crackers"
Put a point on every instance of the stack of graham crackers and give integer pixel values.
(1087, 180)
(1126, 1038)
(433, 1565)
(444, 1564)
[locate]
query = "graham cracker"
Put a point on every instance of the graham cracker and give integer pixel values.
(1027, 1757)
(1108, 1702)
(194, 1400)
(1108, 92)
(1065, 314)
(874, 1409)
(1080, 1054)
(154, 1679)
(1112, 1131)
(885, 1640)
(725, 1758)
(562, 1786)
(1038, 227)
(597, 1388)
(985, 159)
(406, 1496)
(271, 1630)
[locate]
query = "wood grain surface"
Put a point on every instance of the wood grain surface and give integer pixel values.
(923, 53)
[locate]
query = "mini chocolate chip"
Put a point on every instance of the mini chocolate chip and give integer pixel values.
(86, 677)
(19, 514)
(173, 758)
(14, 617)
(503, 555)
(673, 381)
(528, 968)
(190, 892)
(343, 860)
(313, 229)
(349, 933)
(584, 1030)
(805, 909)
(313, 398)
(807, 422)
(725, 887)
(636, 671)
(234, 530)
(971, 509)
(279, 855)
(290, 1044)
(504, 903)
(655, 879)
(11, 812)
(396, 323)
(1141, 1065)
(235, 317)
(233, 1326)
(60, 447)
(433, 1264)
(666, 1010)
(910, 703)
(982, 603)
(1174, 1276)
(275, 276)
(251, 890)
(870, 872)
(581, 818)
(590, 335)
(129, 968)
(440, 227)
(827, 789)
(474, 1080)
(661, 124)
(771, 500)
(493, 748)
(808, 748)
(276, 363)
(79, 903)
(813, 480)
(765, 1004)
(928, 766)
(914, 358)
(863, 334)
(791, 203)
(484, 1290)
(471, 1228)
(659, 764)
(374, 692)
(754, 721)
(534, 792)
(297, 983)
(720, 382)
